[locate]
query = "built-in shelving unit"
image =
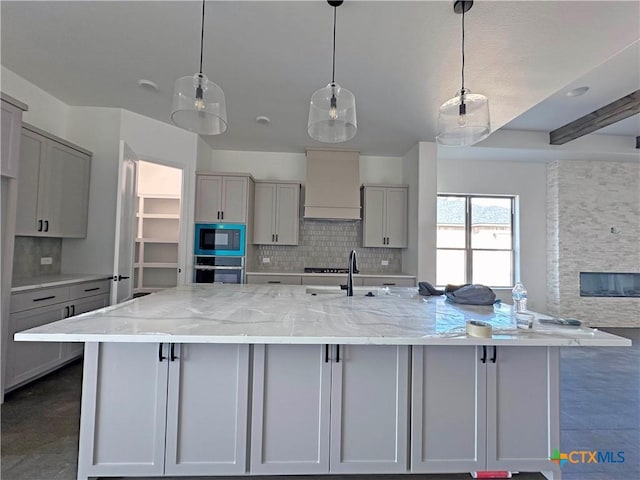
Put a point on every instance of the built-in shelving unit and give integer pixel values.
(158, 230)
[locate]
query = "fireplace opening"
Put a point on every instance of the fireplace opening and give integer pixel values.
(606, 284)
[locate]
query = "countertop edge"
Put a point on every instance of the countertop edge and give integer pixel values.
(360, 275)
(63, 279)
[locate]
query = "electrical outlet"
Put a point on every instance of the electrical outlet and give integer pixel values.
(46, 260)
(385, 263)
(266, 260)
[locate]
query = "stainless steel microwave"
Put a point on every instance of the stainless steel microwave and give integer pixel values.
(220, 239)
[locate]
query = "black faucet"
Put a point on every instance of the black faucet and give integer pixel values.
(353, 268)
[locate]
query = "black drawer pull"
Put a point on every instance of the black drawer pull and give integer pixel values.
(160, 356)
(172, 353)
(337, 353)
(39, 225)
(66, 312)
(484, 354)
(46, 225)
(73, 310)
(495, 354)
(388, 284)
(326, 353)
(44, 298)
(274, 281)
(91, 289)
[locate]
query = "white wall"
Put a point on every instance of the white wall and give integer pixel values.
(428, 178)
(292, 166)
(410, 177)
(528, 181)
(98, 130)
(45, 110)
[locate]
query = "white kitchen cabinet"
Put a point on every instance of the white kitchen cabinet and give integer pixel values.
(276, 213)
(384, 213)
(329, 409)
(222, 198)
(11, 124)
(28, 361)
(53, 186)
(492, 401)
(189, 408)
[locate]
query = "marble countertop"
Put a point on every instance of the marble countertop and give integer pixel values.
(372, 275)
(45, 281)
(205, 313)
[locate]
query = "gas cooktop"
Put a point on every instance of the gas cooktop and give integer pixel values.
(325, 270)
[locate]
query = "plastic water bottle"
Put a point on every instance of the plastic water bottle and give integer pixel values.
(519, 297)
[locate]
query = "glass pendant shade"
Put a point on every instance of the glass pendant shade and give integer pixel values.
(199, 105)
(463, 120)
(332, 115)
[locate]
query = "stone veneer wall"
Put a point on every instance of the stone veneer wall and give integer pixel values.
(585, 201)
(326, 244)
(27, 253)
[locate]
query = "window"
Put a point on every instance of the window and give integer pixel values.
(475, 242)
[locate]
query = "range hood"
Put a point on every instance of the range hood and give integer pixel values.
(332, 186)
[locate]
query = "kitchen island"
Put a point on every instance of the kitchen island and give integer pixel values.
(251, 379)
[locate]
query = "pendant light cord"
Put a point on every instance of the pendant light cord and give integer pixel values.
(333, 72)
(202, 36)
(463, 9)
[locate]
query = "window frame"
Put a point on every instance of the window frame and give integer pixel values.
(468, 250)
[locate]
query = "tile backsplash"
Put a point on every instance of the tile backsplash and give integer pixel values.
(326, 244)
(27, 254)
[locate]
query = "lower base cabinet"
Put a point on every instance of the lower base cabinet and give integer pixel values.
(154, 410)
(329, 409)
(27, 361)
(484, 408)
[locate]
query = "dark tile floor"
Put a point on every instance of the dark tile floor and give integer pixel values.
(600, 410)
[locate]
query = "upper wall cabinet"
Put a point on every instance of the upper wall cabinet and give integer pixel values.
(277, 213)
(11, 124)
(384, 216)
(222, 198)
(53, 186)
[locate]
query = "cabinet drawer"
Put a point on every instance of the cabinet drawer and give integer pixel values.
(389, 282)
(38, 298)
(89, 289)
(334, 280)
(274, 279)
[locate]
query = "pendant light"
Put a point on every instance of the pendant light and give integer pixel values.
(332, 112)
(198, 103)
(464, 119)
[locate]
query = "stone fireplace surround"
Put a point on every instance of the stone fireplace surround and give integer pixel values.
(593, 225)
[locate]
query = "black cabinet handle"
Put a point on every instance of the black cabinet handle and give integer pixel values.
(44, 298)
(46, 225)
(121, 277)
(218, 214)
(273, 237)
(91, 289)
(276, 238)
(73, 310)
(494, 357)
(388, 284)
(337, 353)
(222, 215)
(39, 225)
(66, 312)
(172, 353)
(326, 353)
(484, 354)
(160, 356)
(274, 281)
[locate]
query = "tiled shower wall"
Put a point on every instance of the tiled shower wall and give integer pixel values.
(327, 244)
(593, 225)
(27, 254)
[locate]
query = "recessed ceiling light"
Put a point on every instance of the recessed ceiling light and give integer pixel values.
(576, 92)
(148, 85)
(261, 119)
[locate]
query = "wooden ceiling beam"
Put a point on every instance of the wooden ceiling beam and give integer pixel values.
(614, 112)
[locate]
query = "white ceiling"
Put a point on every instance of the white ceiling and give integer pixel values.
(400, 59)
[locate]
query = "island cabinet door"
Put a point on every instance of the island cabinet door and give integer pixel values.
(207, 409)
(522, 408)
(369, 409)
(448, 420)
(122, 422)
(290, 409)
